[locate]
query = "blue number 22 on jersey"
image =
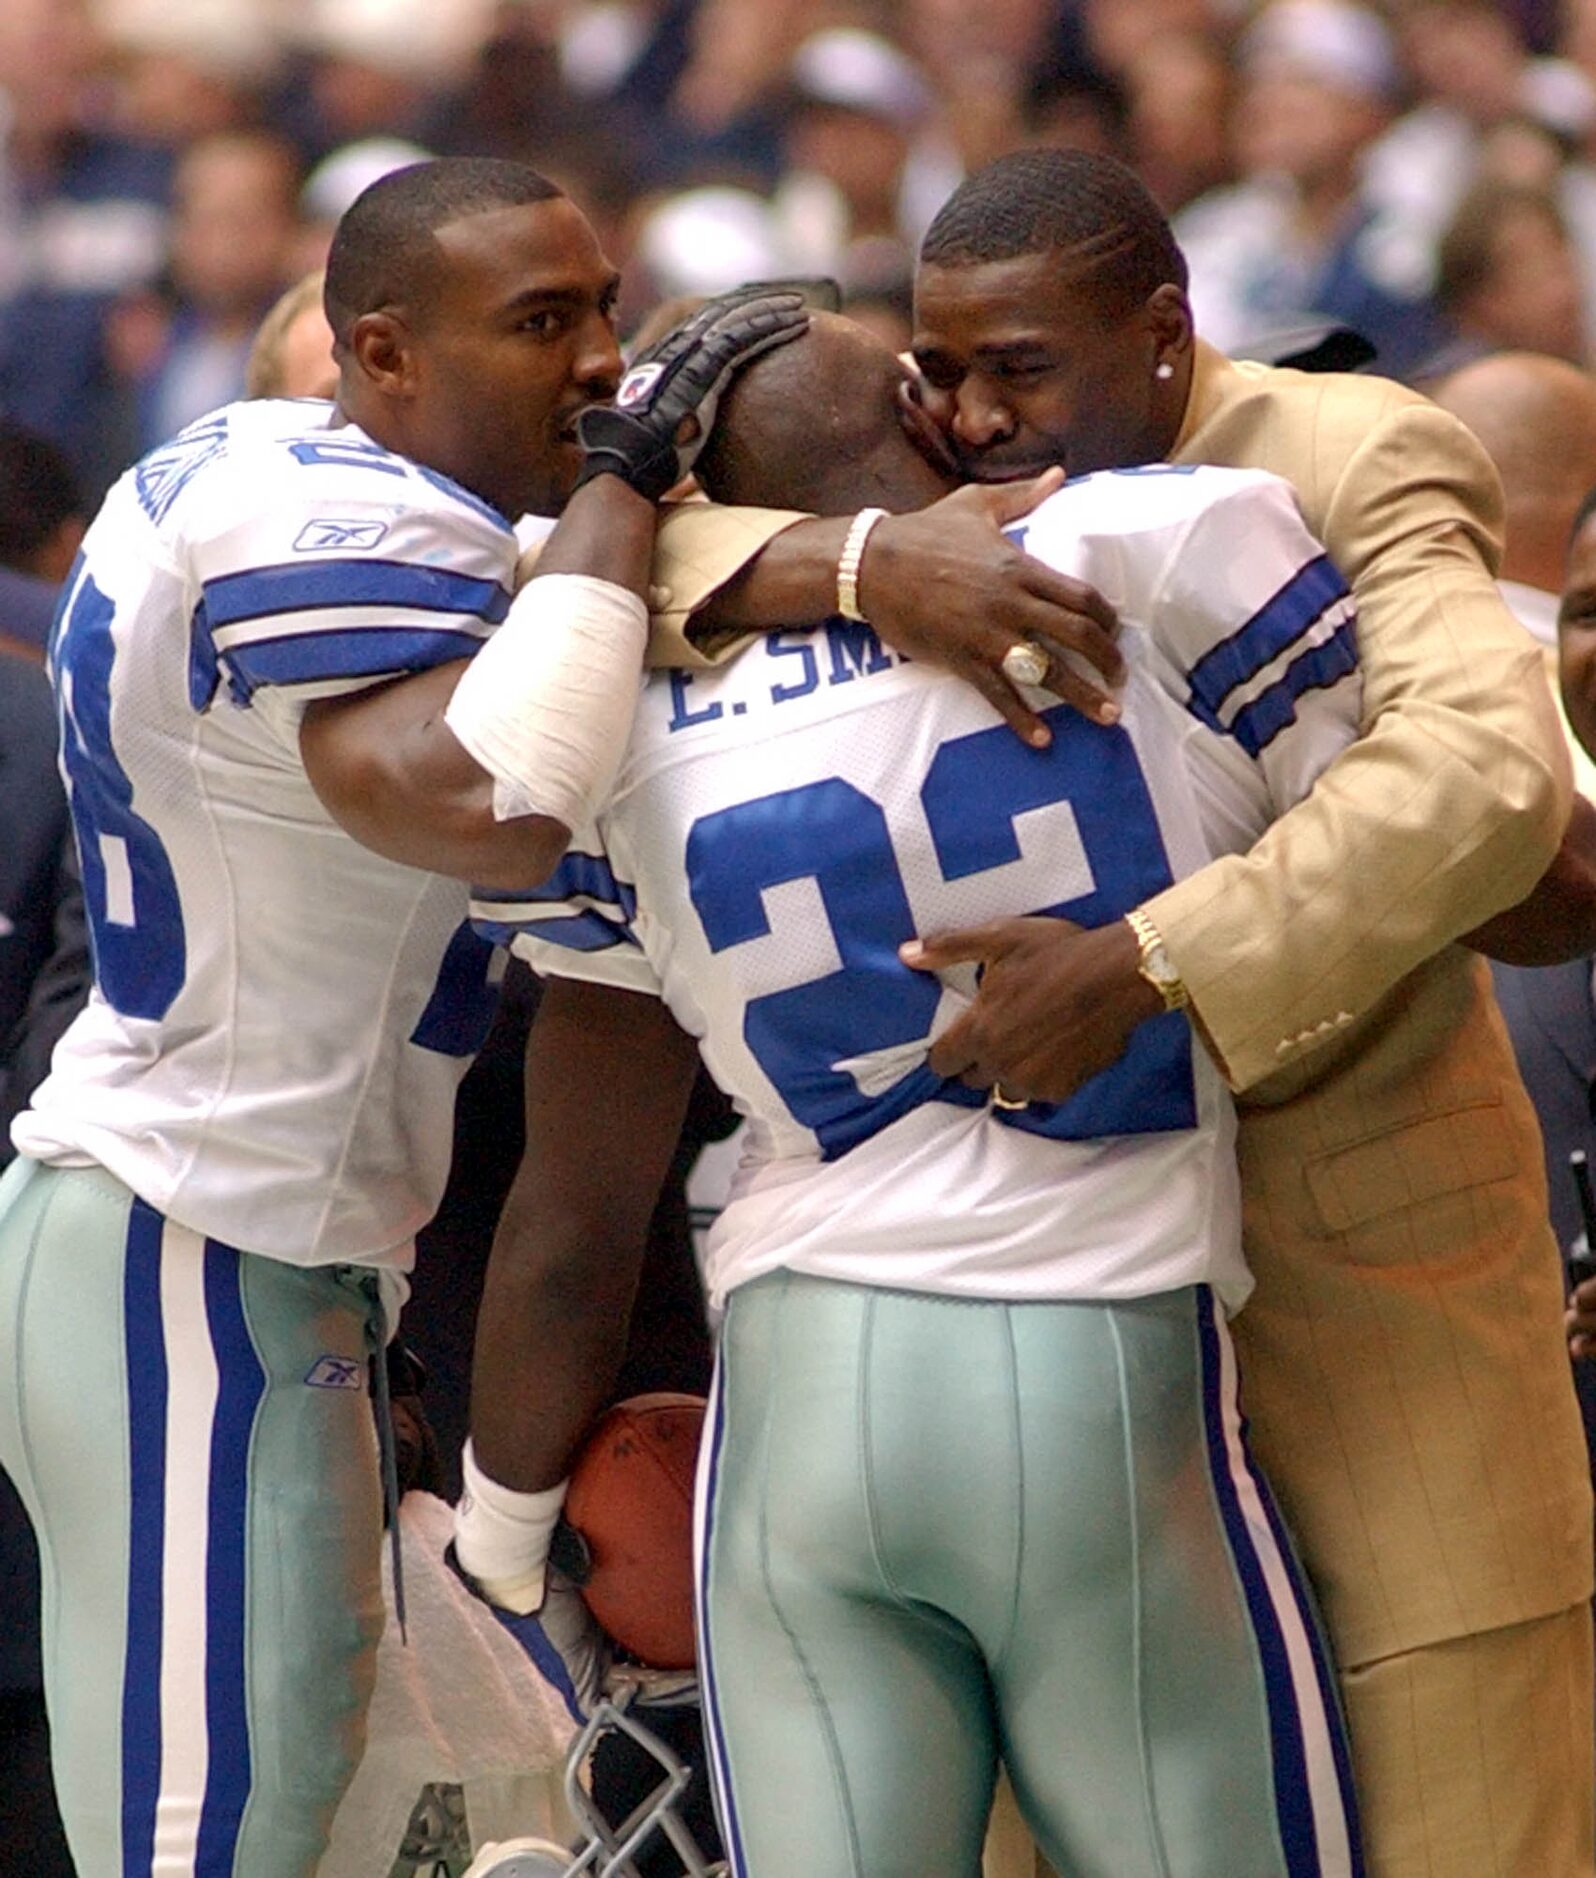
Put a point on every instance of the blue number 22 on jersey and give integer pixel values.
(836, 835)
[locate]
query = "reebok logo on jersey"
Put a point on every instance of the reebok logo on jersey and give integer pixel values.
(336, 1372)
(315, 537)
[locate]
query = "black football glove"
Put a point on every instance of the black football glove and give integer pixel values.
(681, 377)
(817, 291)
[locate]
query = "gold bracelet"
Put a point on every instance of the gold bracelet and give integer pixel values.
(853, 548)
(1155, 964)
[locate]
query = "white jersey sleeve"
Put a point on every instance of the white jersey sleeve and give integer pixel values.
(1251, 626)
(360, 565)
(577, 924)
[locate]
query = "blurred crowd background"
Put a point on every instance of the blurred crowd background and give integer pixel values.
(1424, 171)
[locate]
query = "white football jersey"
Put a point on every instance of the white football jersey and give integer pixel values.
(782, 824)
(280, 1017)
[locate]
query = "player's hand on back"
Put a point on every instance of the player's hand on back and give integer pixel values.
(1056, 1004)
(946, 585)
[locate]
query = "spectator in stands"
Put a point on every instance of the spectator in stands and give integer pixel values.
(1507, 276)
(1178, 92)
(233, 248)
(1297, 236)
(846, 204)
(292, 353)
(190, 71)
(82, 220)
(42, 518)
(1471, 71)
(1000, 70)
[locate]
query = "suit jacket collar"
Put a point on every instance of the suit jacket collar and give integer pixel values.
(1213, 379)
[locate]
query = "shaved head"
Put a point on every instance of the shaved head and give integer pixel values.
(815, 425)
(1536, 417)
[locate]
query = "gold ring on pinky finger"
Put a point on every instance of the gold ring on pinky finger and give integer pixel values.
(1025, 663)
(1002, 1101)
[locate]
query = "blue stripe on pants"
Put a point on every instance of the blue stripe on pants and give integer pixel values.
(720, 1773)
(1294, 1800)
(147, 1386)
(1339, 1745)
(241, 1383)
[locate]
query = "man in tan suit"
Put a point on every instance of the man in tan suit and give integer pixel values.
(1406, 1373)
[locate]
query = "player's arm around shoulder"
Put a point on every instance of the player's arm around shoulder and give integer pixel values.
(1449, 805)
(699, 548)
(480, 768)
(943, 583)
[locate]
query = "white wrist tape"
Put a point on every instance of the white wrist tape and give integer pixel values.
(546, 706)
(501, 1537)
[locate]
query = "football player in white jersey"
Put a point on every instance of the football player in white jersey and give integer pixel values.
(202, 1241)
(975, 1484)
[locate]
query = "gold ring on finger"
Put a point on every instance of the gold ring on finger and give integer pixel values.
(1025, 663)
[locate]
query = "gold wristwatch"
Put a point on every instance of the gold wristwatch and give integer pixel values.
(1155, 964)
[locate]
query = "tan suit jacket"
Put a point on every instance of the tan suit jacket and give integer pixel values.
(1403, 1355)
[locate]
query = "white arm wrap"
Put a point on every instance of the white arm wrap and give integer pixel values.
(501, 1537)
(546, 706)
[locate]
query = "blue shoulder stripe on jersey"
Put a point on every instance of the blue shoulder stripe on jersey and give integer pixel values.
(1272, 710)
(307, 586)
(161, 476)
(578, 876)
(1282, 619)
(581, 932)
(365, 652)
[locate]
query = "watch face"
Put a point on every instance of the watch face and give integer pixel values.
(1159, 967)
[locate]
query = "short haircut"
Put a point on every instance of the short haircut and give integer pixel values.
(1090, 210)
(384, 249)
(38, 492)
(1466, 258)
(263, 371)
(810, 425)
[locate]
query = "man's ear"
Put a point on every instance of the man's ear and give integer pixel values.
(1169, 316)
(383, 350)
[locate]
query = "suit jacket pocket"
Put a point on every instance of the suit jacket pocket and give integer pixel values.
(1464, 1147)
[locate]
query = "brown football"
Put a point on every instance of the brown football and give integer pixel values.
(631, 1500)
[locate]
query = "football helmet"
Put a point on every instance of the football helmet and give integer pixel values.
(606, 1851)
